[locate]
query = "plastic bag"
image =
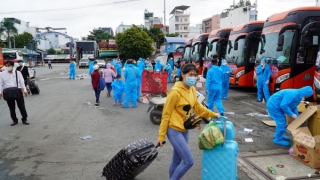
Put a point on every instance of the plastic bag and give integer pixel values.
(210, 137)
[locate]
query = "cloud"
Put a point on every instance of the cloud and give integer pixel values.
(80, 21)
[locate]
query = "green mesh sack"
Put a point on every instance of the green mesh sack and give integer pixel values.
(210, 137)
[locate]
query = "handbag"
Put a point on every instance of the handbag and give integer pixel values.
(12, 93)
(210, 137)
(102, 83)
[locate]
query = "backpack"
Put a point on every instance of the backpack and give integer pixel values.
(102, 83)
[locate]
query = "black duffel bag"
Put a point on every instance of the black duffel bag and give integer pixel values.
(12, 93)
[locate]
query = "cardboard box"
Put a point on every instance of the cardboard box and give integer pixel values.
(306, 147)
(201, 86)
(301, 107)
(314, 122)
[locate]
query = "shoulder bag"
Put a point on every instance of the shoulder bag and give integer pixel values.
(12, 93)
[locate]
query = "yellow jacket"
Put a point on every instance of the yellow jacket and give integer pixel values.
(177, 109)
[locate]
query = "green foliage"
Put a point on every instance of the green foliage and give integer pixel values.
(172, 35)
(51, 51)
(97, 35)
(134, 43)
(2, 44)
(155, 33)
(7, 26)
(21, 40)
(59, 52)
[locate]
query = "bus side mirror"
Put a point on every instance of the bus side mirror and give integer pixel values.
(235, 45)
(280, 42)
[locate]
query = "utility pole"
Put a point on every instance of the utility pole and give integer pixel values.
(164, 17)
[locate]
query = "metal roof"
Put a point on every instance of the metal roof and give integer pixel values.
(182, 8)
(174, 40)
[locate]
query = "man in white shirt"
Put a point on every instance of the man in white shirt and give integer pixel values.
(7, 80)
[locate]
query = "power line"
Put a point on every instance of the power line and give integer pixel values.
(69, 8)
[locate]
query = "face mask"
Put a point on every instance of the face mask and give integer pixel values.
(224, 63)
(190, 81)
(9, 68)
(20, 64)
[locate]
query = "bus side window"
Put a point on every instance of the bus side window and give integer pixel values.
(311, 54)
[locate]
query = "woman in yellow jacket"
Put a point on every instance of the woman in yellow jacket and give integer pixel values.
(181, 103)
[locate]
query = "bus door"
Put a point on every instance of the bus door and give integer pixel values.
(250, 50)
(221, 49)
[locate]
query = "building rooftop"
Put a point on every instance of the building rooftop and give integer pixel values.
(181, 8)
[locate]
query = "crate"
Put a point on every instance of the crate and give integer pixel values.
(154, 82)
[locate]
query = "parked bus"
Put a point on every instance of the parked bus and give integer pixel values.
(241, 52)
(199, 45)
(217, 43)
(9, 55)
(186, 50)
(290, 42)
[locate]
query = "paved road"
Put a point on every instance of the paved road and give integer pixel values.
(50, 147)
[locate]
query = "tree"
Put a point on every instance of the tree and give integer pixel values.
(2, 44)
(155, 33)
(134, 43)
(172, 35)
(22, 40)
(97, 35)
(51, 51)
(7, 26)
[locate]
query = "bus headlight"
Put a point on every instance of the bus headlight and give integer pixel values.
(240, 73)
(316, 83)
(282, 78)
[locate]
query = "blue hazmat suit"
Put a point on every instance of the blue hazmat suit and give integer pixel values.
(91, 63)
(118, 90)
(214, 87)
(171, 63)
(285, 102)
(72, 73)
(140, 65)
(139, 81)
(169, 70)
(263, 80)
(131, 74)
(158, 66)
(118, 69)
(179, 71)
(226, 78)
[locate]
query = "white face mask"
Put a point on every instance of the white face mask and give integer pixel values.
(224, 63)
(9, 68)
(20, 64)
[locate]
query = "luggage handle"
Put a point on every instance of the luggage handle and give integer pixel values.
(153, 152)
(224, 119)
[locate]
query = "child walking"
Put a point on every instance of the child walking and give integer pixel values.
(118, 89)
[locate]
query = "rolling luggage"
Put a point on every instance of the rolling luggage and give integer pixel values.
(220, 163)
(33, 86)
(131, 160)
(230, 131)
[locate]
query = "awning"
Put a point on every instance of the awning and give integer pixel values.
(177, 40)
(108, 53)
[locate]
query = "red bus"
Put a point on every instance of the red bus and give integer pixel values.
(242, 48)
(199, 45)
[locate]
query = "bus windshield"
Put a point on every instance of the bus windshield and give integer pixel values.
(187, 53)
(9, 56)
(268, 48)
(195, 53)
(235, 56)
(209, 53)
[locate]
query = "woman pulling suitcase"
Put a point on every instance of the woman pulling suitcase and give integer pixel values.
(180, 105)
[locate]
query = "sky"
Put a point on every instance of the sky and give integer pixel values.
(82, 16)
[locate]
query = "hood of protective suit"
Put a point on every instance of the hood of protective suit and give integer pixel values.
(224, 62)
(305, 92)
(157, 61)
(108, 66)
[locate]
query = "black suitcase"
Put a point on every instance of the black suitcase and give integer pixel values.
(33, 86)
(131, 160)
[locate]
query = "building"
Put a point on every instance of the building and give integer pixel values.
(148, 19)
(179, 21)
(109, 30)
(211, 23)
(54, 41)
(195, 30)
(123, 27)
(239, 13)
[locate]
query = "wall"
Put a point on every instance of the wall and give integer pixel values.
(195, 30)
(215, 22)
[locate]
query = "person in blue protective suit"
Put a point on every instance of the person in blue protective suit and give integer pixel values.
(91, 63)
(131, 74)
(169, 70)
(264, 73)
(226, 78)
(118, 90)
(119, 66)
(158, 66)
(285, 102)
(140, 64)
(72, 73)
(171, 63)
(214, 87)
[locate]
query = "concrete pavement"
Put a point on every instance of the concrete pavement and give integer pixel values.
(50, 147)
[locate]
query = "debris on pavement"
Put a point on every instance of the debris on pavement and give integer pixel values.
(317, 172)
(248, 139)
(309, 175)
(229, 113)
(291, 151)
(280, 178)
(248, 130)
(257, 115)
(85, 137)
(280, 166)
(243, 132)
(271, 170)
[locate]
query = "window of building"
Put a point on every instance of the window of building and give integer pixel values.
(185, 28)
(185, 36)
